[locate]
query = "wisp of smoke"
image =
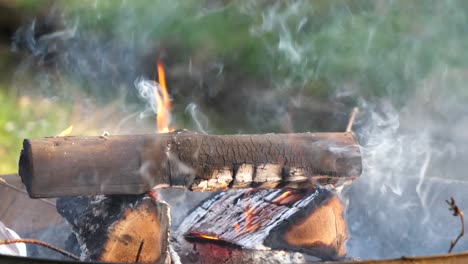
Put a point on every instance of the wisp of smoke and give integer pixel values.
(396, 208)
(201, 120)
(146, 90)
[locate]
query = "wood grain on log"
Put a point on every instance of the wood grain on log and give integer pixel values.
(309, 221)
(119, 228)
(64, 166)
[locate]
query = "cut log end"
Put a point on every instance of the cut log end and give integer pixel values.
(321, 233)
(119, 229)
(136, 236)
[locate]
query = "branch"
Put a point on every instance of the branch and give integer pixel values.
(40, 243)
(456, 212)
(349, 127)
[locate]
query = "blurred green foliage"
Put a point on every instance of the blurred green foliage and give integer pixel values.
(26, 118)
(384, 48)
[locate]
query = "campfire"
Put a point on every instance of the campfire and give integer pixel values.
(233, 132)
(285, 198)
(273, 192)
(276, 196)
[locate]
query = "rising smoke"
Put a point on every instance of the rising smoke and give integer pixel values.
(316, 57)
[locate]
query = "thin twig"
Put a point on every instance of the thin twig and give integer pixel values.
(40, 243)
(349, 127)
(456, 212)
(140, 248)
(13, 187)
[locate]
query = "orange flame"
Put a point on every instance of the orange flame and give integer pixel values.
(162, 101)
(66, 132)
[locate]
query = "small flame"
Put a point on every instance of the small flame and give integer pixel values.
(205, 236)
(162, 101)
(236, 227)
(66, 132)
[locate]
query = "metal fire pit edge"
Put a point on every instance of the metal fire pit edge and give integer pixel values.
(454, 258)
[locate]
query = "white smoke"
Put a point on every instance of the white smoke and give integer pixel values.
(146, 90)
(201, 120)
(397, 207)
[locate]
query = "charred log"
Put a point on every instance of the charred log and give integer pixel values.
(65, 166)
(213, 252)
(309, 221)
(118, 228)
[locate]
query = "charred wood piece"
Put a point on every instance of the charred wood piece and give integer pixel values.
(308, 221)
(118, 228)
(212, 252)
(134, 164)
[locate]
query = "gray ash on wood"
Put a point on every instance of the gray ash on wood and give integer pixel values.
(134, 164)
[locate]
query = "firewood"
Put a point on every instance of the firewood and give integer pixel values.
(122, 228)
(213, 252)
(65, 166)
(309, 221)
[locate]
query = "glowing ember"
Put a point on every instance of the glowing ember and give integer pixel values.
(287, 198)
(205, 236)
(283, 196)
(249, 217)
(162, 101)
(66, 132)
(153, 194)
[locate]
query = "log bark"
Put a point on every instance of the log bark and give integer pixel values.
(118, 228)
(309, 221)
(64, 166)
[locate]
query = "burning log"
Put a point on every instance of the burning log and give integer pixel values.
(122, 228)
(64, 166)
(309, 221)
(212, 252)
